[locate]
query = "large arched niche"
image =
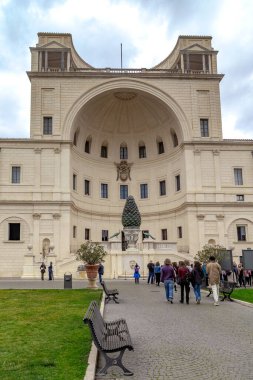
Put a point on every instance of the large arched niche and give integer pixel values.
(125, 108)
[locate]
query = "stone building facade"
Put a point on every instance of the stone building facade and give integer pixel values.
(99, 135)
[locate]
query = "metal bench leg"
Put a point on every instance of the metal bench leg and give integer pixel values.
(109, 362)
(210, 292)
(115, 299)
(230, 299)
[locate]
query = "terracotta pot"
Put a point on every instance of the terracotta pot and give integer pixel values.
(92, 273)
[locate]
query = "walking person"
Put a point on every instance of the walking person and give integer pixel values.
(137, 274)
(183, 279)
(50, 271)
(197, 276)
(157, 271)
(100, 272)
(175, 266)
(168, 277)
(42, 270)
(150, 267)
(213, 270)
(241, 278)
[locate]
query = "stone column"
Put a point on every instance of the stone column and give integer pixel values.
(37, 249)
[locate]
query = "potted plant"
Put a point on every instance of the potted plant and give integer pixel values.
(91, 253)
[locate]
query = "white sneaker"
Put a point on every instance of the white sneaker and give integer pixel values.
(216, 304)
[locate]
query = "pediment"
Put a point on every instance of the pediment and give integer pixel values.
(195, 47)
(54, 45)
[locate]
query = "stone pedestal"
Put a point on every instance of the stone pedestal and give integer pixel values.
(131, 236)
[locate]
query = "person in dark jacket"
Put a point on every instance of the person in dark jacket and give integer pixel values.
(100, 272)
(168, 277)
(151, 272)
(183, 274)
(197, 276)
(42, 270)
(50, 271)
(157, 273)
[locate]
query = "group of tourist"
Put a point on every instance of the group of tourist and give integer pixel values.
(50, 271)
(185, 275)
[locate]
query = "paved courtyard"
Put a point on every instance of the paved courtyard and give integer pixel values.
(180, 341)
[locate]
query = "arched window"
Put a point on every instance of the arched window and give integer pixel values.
(160, 146)
(142, 150)
(104, 150)
(123, 151)
(174, 138)
(87, 147)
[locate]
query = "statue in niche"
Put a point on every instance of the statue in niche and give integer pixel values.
(123, 170)
(45, 248)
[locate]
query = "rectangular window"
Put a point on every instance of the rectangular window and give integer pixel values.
(105, 235)
(142, 151)
(47, 125)
(241, 233)
(104, 190)
(178, 184)
(179, 232)
(74, 181)
(240, 197)
(104, 151)
(160, 147)
(123, 191)
(14, 231)
(74, 232)
(15, 174)
(86, 187)
(238, 176)
(162, 187)
(123, 153)
(204, 129)
(164, 234)
(144, 190)
(87, 234)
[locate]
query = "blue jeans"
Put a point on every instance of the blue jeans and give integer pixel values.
(169, 287)
(197, 292)
(151, 277)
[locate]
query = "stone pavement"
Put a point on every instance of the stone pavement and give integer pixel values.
(179, 341)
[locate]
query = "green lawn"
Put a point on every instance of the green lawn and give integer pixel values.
(243, 295)
(42, 335)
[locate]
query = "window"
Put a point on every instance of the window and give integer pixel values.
(105, 235)
(74, 232)
(123, 191)
(164, 234)
(144, 190)
(123, 152)
(47, 125)
(104, 190)
(179, 232)
(240, 197)
(160, 147)
(15, 174)
(178, 184)
(174, 139)
(87, 234)
(238, 176)
(162, 187)
(142, 151)
(204, 129)
(74, 181)
(14, 231)
(87, 146)
(86, 187)
(104, 151)
(241, 233)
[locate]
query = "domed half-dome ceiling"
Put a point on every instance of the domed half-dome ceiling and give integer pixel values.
(125, 112)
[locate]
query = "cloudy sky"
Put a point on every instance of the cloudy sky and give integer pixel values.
(148, 30)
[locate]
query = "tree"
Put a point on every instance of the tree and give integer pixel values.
(208, 250)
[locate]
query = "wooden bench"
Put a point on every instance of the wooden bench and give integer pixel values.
(111, 294)
(226, 288)
(109, 337)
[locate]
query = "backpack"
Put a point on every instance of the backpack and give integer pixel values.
(188, 277)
